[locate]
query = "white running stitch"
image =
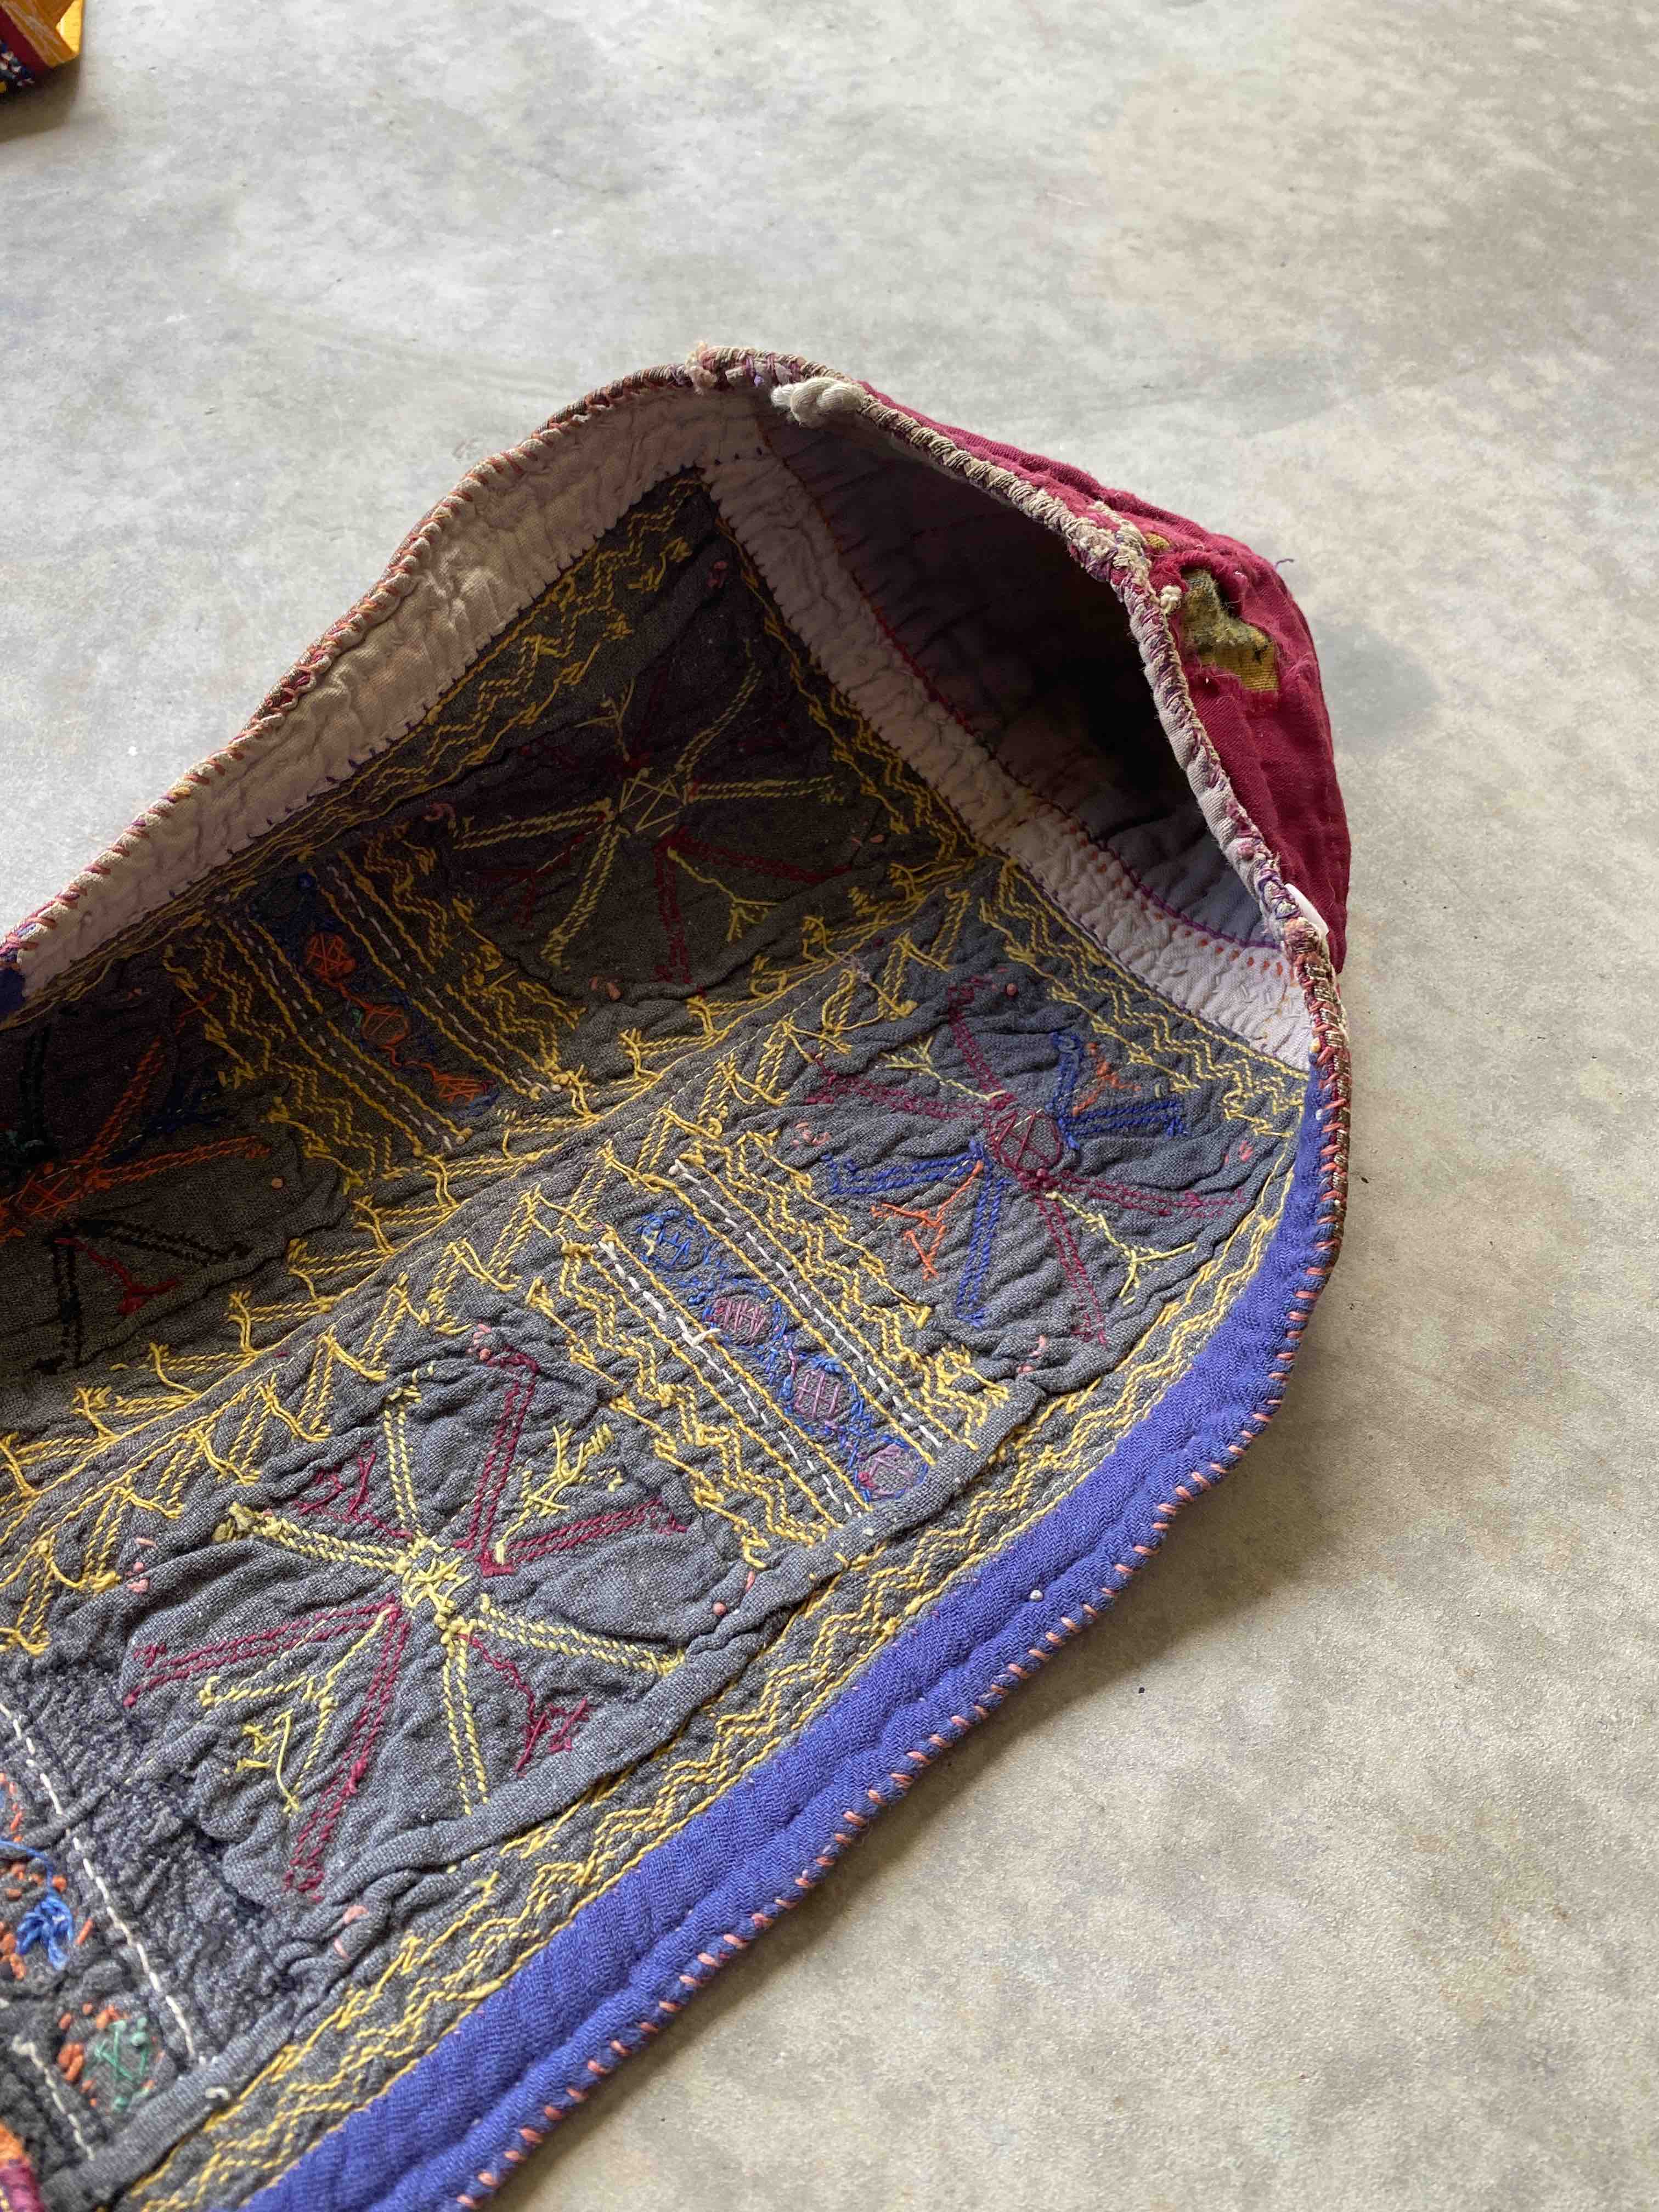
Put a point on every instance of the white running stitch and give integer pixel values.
(822, 1315)
(71, 1844)
(54, 2082)
(696, 1338)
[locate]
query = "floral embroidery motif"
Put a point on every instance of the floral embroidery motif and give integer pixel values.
(76, 1197)
(314, 1694)
(45, 1924)
(110, 2055)
(1012, 1149)
(663, 774)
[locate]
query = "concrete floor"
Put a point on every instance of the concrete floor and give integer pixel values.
(1325, 1873)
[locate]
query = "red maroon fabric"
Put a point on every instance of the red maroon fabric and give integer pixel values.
(1275, 745)
(20, 46)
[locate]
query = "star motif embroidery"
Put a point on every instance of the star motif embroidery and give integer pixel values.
(1009, 1151)
(657, 781)
(57, 1198)
(314, 1693)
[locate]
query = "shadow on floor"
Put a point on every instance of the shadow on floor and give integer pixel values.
(44, 106)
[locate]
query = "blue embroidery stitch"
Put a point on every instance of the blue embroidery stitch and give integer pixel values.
(810, 1385)
(1163, 1115)
(1014, 1148)
(48, 1922)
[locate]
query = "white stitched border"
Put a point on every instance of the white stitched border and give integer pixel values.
(72, 1844)
(517, 524)
(54, 2082)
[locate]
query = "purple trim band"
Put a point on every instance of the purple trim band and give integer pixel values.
(594, 1994)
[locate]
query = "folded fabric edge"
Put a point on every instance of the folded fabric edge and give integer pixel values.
(1079, 1557)
(126, 881)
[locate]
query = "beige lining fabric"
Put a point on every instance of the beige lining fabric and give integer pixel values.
(518, 522)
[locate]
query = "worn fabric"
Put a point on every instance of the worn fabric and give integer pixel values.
(1275, 746)
(649, 1192)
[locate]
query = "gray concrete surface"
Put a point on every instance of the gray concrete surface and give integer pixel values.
(1324, 1873)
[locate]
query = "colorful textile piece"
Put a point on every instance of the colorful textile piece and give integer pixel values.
(35, 39)
(651, 1190)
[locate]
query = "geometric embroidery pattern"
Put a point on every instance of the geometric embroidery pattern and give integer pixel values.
(569, 1246)
(290, 1679)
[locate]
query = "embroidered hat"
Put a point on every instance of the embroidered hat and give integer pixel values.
(613, 1223)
